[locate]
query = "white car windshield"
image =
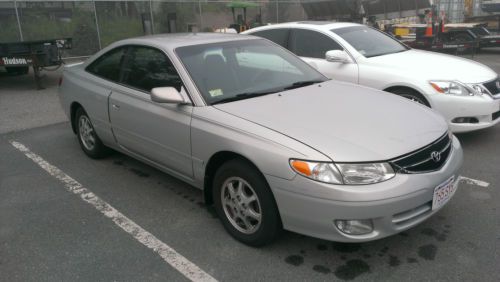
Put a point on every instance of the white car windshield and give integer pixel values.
(370, 42)
(236, 70)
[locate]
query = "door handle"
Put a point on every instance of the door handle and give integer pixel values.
(116, 107)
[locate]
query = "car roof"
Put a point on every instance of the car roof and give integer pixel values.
(174, 40)
(316, 25)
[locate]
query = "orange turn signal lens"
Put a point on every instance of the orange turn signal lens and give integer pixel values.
(301, 167)
(438, 89)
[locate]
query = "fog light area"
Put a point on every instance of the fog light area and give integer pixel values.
(355, 227)
(465, 120)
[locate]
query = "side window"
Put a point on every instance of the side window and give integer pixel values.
(312, 44)
(146, 68)
(108, 65)
(278, 36)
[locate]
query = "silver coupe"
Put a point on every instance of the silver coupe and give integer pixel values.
(272, 143)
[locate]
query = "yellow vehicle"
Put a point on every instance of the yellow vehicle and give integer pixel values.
(406, 31)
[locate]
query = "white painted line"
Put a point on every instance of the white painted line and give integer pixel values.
(169, 255)
(471, 181)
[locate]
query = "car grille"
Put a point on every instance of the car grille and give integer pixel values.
(492, 86)
(495, 115)
(429, 158)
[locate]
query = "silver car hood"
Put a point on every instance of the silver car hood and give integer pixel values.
(346, 122)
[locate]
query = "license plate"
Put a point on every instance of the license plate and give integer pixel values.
(443, 193)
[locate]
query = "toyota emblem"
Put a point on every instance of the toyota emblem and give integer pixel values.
(436, 156)
(498, 84)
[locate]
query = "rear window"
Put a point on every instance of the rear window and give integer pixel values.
(108, 65)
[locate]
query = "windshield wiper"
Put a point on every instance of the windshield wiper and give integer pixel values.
(242, 96)
(299, 84)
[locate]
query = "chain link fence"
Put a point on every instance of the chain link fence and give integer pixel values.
(95, 24)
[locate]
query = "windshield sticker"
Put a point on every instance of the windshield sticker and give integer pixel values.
(215, 92)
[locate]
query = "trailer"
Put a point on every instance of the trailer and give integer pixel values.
(483, 35)
(448, 41)
(17, 57)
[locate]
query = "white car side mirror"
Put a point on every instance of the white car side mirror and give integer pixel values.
(338, 56)
(166, 95)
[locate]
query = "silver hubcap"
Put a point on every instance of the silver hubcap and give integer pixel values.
(241, 205)
(86, 133)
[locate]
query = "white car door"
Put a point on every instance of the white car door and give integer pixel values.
(312, 46)
(155, 131)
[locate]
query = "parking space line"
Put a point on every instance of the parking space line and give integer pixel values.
(471, 181)
(168, 254)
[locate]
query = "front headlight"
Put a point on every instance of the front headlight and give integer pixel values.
(365, 173)
(344, 173)
(452, 88)
(479, 89)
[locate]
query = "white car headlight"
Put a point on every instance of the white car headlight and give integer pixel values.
(344, 173)
(365, 173)
(452, 88)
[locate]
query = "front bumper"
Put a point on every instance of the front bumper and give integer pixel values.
(310, 208)
(481, 108)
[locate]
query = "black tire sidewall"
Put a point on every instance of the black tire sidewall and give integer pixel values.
(270, 226)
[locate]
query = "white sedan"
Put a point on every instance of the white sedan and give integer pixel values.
(465, 92)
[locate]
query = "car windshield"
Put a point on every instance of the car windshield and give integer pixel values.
(242, 69)
(370, 42)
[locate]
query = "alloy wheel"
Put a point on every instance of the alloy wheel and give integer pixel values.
(86, 132)
(241, 205)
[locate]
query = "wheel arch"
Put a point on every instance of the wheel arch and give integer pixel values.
(216, 161)
(396, 88)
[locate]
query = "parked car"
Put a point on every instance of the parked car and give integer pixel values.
(271, 148)
(465, 92)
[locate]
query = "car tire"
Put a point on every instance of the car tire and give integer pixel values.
(411, 95)
(90, 143)
(245, 204)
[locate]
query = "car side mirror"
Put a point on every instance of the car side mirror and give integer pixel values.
(168, 95)
(337, 56)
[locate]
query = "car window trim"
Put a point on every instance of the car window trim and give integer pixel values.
(122, 63)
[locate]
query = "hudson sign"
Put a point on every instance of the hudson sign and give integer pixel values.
(12, 61)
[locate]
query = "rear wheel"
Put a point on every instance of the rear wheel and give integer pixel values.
(245, 204)
(90, 143)
(411, 95)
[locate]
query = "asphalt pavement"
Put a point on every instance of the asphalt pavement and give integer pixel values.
(50, 233)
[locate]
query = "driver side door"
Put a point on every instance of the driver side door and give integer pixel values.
(156, 132)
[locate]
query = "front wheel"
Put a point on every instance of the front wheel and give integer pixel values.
(245, 204)
(90, 143)
(411, 95)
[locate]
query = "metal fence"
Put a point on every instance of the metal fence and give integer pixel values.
(95, 24)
